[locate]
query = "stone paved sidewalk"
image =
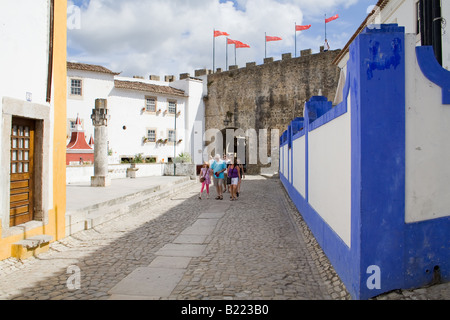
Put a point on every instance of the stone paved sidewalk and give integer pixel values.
(255, 248)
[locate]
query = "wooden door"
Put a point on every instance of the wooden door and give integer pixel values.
(22, 171)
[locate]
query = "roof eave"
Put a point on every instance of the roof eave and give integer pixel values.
(380, 4)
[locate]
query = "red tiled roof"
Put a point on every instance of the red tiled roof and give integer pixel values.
(141, 86)
(78, 140)
(89, 67)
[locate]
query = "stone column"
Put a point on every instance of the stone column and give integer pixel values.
(100, 119)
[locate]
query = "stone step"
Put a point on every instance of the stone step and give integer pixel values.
(93, 216)
(75, 215)
(28, 247)
(134, 195)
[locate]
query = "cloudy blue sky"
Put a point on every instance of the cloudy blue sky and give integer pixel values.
(169, 37)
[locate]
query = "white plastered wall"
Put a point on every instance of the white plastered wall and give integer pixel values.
(329, 174)
(94, 86)
(125, 110)
(283, 160)
(427, 144)
(286, 161)
(24, 37)
(299, 169)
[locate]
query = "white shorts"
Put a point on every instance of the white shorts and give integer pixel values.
(234, 181)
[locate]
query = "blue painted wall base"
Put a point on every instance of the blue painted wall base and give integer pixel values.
(385, 252)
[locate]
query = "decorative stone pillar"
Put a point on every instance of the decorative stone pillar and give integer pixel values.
(100, 119)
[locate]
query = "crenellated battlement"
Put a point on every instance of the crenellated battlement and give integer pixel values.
(202, 72)
(269, 95)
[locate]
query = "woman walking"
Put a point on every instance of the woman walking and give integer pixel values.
(241, 176)
(205, 179)
(235, 175)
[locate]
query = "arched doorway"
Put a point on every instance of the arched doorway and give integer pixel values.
(235, 144)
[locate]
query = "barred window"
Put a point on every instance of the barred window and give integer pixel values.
(150, 104)
(172, 135)
(151, 135)
(172, 107)
(76, 87)
(73, 125)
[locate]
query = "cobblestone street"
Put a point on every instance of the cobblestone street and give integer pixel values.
(255, 248)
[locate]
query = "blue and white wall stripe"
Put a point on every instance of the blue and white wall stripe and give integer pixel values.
(370, 175)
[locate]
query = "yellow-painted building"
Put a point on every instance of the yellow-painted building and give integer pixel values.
(32, 125)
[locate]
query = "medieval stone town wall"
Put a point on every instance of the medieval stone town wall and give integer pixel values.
(270, 95)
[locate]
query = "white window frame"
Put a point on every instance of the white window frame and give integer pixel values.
(170, 109)
(148, 134)
(147, 98)
(72, 87)
(174, 135)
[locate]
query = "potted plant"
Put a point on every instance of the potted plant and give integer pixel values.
(183, 158)
(131, 172)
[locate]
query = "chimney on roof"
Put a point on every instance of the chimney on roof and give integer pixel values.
(169, 78)
(184, 76)
(155, 78)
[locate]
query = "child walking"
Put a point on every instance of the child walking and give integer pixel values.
(205, 179)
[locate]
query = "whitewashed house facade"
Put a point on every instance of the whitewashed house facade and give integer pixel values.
(370, 174)
(85, 83)
(419, 17)
(33, 37)
(154, 119)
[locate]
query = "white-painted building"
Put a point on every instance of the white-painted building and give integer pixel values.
(26, 80)
(157, 119)
(416, 16)
(85, 83)
(33, 37)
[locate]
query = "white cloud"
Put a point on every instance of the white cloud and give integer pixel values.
(161, 37)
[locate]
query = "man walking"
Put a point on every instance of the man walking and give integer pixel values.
(218, 167)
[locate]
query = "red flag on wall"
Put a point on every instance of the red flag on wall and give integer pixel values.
(331, 18)
(242, 45)
(238, 44)
(301, 28)
(218, 33)
(268, 38)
